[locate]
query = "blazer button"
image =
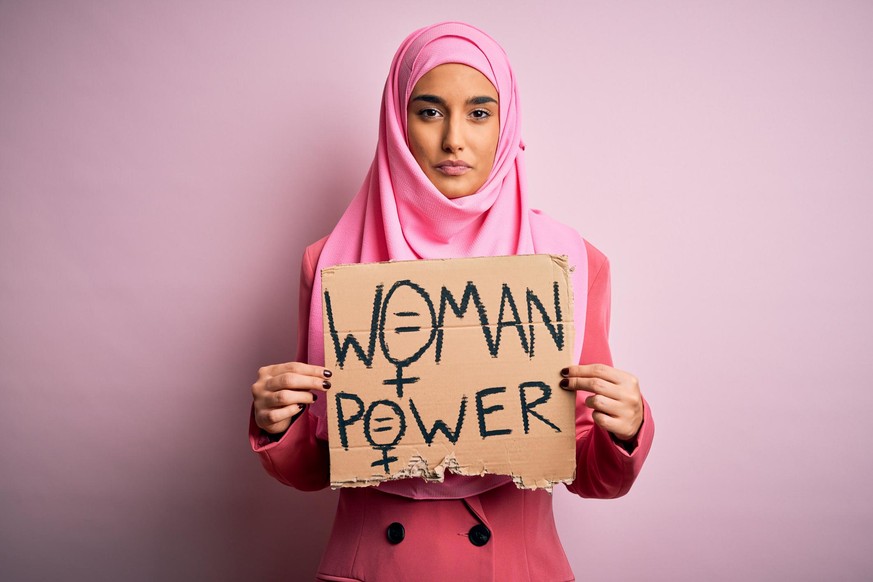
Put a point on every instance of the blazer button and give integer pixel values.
(479, 535)
(395, 533)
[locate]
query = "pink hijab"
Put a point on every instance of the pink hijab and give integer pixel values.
(399, 214)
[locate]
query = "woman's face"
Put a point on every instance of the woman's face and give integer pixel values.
(453, 124)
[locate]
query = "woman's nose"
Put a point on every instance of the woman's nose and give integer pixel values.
(453, 138)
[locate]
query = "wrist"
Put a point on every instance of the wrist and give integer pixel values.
(627, 445)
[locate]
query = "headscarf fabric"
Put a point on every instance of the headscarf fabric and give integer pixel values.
(398, 214)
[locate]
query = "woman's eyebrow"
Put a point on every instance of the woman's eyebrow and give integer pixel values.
(481, 100)
(429, 99)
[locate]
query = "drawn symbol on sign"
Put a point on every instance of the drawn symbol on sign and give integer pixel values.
(388, 419)
(399, 380)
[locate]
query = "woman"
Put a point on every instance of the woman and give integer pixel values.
(448, 181)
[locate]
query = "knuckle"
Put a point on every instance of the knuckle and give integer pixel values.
(261, 418)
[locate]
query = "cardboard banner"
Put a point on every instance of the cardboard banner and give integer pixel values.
(450, 364)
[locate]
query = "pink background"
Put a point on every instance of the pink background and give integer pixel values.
(162, 165)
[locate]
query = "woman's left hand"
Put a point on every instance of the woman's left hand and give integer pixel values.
(616, 401)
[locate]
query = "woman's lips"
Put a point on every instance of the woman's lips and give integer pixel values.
(453, 167)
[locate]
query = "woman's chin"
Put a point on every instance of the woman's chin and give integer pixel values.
(455, 189)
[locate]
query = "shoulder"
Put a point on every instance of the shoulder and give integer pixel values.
(542, 222)
(309, 263)
(311, 254)
(314, 250)
(539, 220)
(597, 263)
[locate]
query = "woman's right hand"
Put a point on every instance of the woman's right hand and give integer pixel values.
(282, 390)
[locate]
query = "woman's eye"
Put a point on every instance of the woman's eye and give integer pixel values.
(429, 113)
(480, 114)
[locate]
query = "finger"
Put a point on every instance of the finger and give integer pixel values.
(605, 421)
(296, 368)
(277, 428)
(621, 429)
(268, 417)
(283, 398)
(594, 385)
(603, 371)
(600, 403)
(292, 381)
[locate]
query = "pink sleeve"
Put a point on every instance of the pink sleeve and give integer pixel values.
(297, 459)
(603, 469)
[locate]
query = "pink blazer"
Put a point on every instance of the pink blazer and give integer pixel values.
(504, 534)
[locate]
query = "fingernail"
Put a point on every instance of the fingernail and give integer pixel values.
(326, 384)
(565, 383)
(565, 372)
(328, 373)
(314, 397)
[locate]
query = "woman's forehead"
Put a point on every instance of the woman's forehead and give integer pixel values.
(455, 78)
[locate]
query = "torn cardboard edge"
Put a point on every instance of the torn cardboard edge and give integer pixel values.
(418, 467)
(526, 301)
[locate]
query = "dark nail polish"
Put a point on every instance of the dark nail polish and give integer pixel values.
(565, 372)
(328, 373)
(326, 384)
(314, 397)
(565, 383)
